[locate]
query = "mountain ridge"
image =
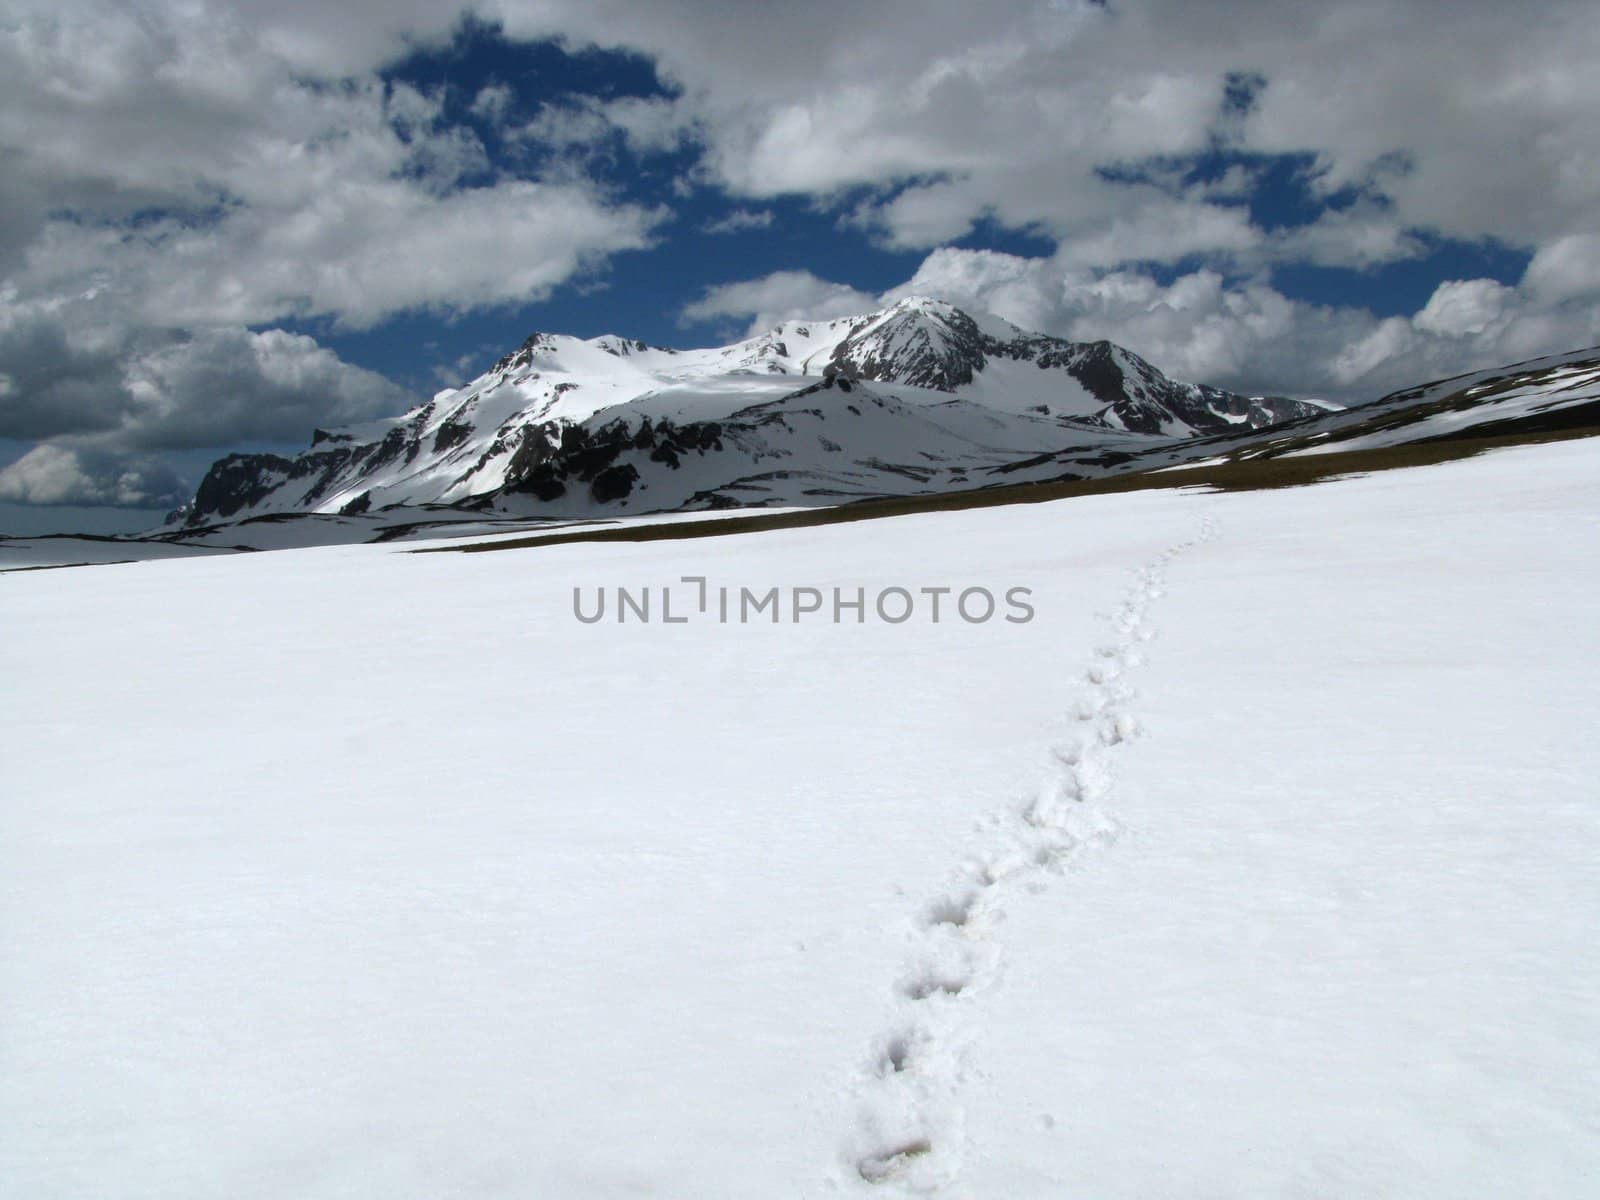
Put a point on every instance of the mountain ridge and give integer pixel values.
(919, 396)
(1548, 398)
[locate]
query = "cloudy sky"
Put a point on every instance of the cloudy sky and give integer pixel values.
(223, 224)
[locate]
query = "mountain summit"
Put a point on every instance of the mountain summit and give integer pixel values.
(918, 397)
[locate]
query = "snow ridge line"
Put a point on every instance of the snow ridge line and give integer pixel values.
(910, 1132)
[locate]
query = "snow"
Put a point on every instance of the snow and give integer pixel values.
(1261, 863)
(1007, 385)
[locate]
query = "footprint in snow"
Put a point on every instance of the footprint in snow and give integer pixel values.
(887, 1164)
(955, 911)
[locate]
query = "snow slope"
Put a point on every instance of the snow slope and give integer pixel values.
(1559, 389)
(1262, 862)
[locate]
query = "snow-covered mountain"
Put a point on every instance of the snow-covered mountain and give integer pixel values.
(920, 397)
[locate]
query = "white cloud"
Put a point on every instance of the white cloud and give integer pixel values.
(1483, 112)
(778, 297)
(1463, 307)
(1161, 230)
(586, 124)
(565, 126)
(1386, 342)
(493, 102)
(1474, 119)
(741, 220)
(361, 253)
(1237, 182)
(357, 249)
(1565, 269)
(650, 125)
(1006, 110)
(1363, 235)
(276, 193)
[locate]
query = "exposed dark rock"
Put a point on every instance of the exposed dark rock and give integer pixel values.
(613, 483)
(237, 481)
(940, 350)
(522, 356)
(1096, 368)
(450, 435)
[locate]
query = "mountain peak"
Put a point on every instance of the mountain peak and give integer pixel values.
(922, 303)
(917, 341)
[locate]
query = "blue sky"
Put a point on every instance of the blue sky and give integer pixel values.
(223, 226)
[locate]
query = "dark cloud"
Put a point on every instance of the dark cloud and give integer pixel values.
(228, 385)
(50, 387)
(177, 391)
(90, 475)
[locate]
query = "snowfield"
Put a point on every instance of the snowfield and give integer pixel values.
(1263, 862)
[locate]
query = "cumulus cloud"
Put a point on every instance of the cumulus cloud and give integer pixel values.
(1566, 269)
(271, 196)
(778, 297)
(227, 384)
(1011, 109)
(1251, 337)
(587, 125)
(55, 383)
(1465, 307)
(1363, 235)
(261, 192)
(355, 253)
(1196, 327)
(172, 390)
(69, 474)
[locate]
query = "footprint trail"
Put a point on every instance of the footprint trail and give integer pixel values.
(910, 1133)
